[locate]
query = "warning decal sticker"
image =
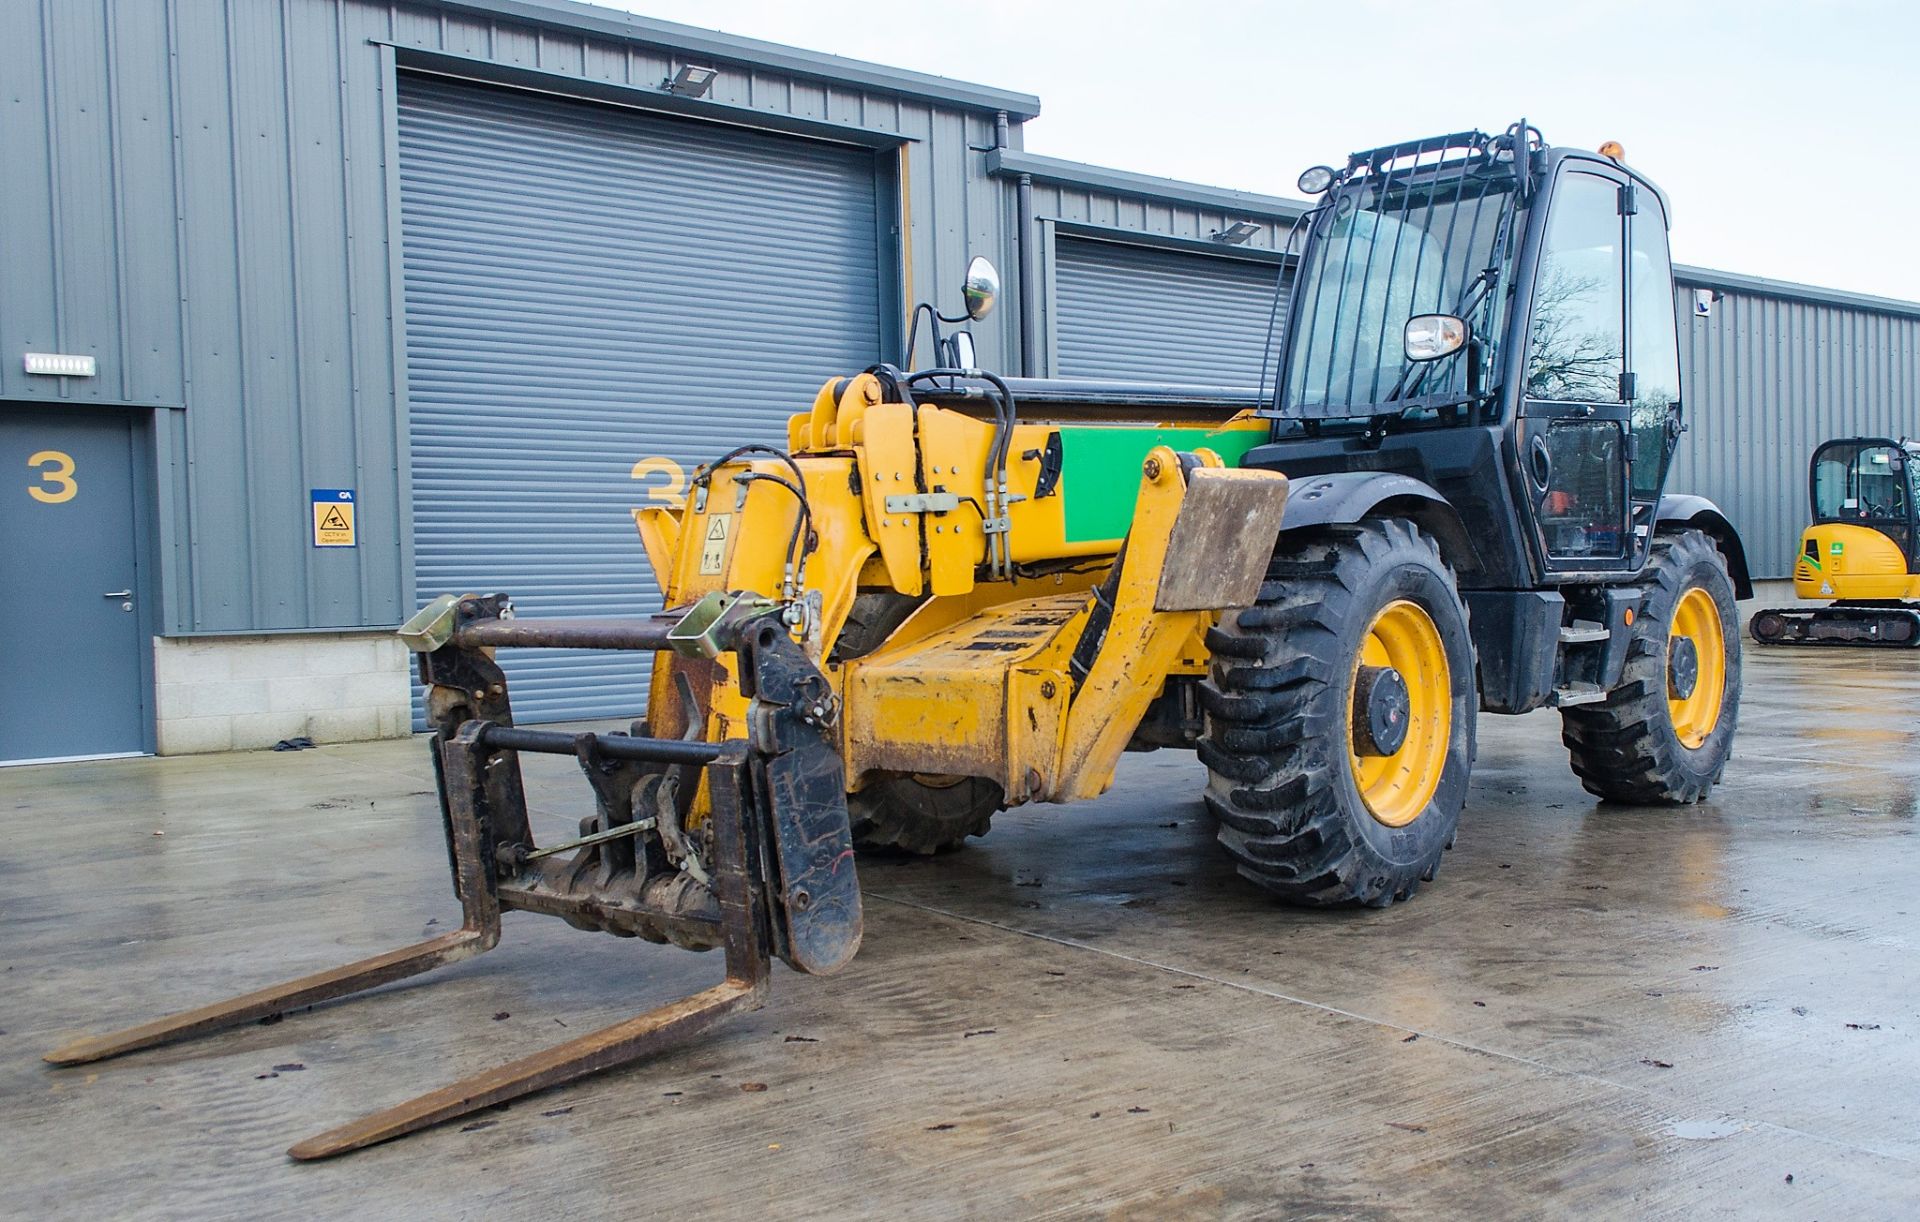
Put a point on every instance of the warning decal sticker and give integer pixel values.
(333, 524)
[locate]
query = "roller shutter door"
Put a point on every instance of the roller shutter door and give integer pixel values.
(1149, 314)
(587, 286)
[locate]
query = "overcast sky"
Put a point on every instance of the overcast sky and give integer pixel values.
(1783, 132)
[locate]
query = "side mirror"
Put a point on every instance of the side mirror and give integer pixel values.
(960, 346)
(981, 289)
(1429, 337)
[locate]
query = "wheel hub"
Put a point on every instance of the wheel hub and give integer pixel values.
(1696, 667)
(1381, 709)
(1401, 713)
(1683, 668)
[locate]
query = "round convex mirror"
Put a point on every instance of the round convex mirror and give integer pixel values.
(982, 287)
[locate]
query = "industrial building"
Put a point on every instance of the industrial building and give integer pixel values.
(336, 305)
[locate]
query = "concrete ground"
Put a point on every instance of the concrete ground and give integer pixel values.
(1595, 1012)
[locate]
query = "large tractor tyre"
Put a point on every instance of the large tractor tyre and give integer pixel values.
(1340, 718)
(1663, 735)
(870, 621)
(923, 815)
(904, 812)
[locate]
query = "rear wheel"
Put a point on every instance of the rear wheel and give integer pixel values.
(1663, 735)
(909, 812)
(915, 813)
(1340, 718)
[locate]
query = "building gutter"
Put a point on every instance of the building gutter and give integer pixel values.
(1760, 286)
(1029, 294)
(1013, 163)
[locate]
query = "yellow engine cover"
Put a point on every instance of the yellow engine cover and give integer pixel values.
(1851, 562)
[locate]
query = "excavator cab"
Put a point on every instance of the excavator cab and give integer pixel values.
(1860, 550)
(1867, 481)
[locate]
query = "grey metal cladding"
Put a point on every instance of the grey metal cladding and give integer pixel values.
(1766, 379)
(1079, 177)
(1125, 311)
(712, 46)
(587, 287)
(198, 195)
(87, 244)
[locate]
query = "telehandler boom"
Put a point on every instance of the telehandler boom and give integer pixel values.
(950, 592)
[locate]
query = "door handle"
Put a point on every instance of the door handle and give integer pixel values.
(118, 594)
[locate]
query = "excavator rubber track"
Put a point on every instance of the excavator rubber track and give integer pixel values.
(1896, 627)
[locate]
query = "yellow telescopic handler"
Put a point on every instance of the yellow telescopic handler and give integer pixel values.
(949, 592)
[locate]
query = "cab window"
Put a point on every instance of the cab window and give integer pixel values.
(1654, 355)
(1577, 343)
(1860, 482)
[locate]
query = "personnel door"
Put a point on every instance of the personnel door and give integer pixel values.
(1574, 420)
(72, 682)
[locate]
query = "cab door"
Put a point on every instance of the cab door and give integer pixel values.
(1652, 388)
(1573, 426)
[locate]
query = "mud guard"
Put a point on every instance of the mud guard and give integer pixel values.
(1345, 497)
(1683, 510)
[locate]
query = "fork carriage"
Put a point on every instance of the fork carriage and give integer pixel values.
(768, 872)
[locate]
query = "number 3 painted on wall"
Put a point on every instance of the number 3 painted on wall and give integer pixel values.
(57, 473)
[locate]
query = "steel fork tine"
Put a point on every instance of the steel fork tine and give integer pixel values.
(479, 932)
(589, 1054)
(279, 998)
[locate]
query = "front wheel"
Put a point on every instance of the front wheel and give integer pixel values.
(1340, 718)
(1663, 735)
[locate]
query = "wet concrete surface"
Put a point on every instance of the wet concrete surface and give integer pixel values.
(1595, 1011)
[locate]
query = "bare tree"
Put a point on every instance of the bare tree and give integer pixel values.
(1574, 353)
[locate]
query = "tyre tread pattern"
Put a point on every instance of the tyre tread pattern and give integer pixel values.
(1275, 705)
(902, 814)
(1623, 748)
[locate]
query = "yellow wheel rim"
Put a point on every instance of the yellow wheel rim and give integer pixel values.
(1697, 619)
(1397, 787)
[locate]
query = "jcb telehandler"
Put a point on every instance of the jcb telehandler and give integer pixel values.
(950, 592)
(1862, 551)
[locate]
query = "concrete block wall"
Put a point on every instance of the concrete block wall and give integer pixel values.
(245, 692)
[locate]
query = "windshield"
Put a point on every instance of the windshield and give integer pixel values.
(1857, 481)
(1380, 254)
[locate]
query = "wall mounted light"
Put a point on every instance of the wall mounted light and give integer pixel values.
(692, 81)
(61, 365)
(1236, 233)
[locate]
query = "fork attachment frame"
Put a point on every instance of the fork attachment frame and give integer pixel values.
(769, 871)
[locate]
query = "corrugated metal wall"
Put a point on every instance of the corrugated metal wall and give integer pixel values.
(198, 193)
(587, 287)
(1768, 378)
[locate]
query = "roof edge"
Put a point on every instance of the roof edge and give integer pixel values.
(1013, 163)
(712, 44)
(1706, 277)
